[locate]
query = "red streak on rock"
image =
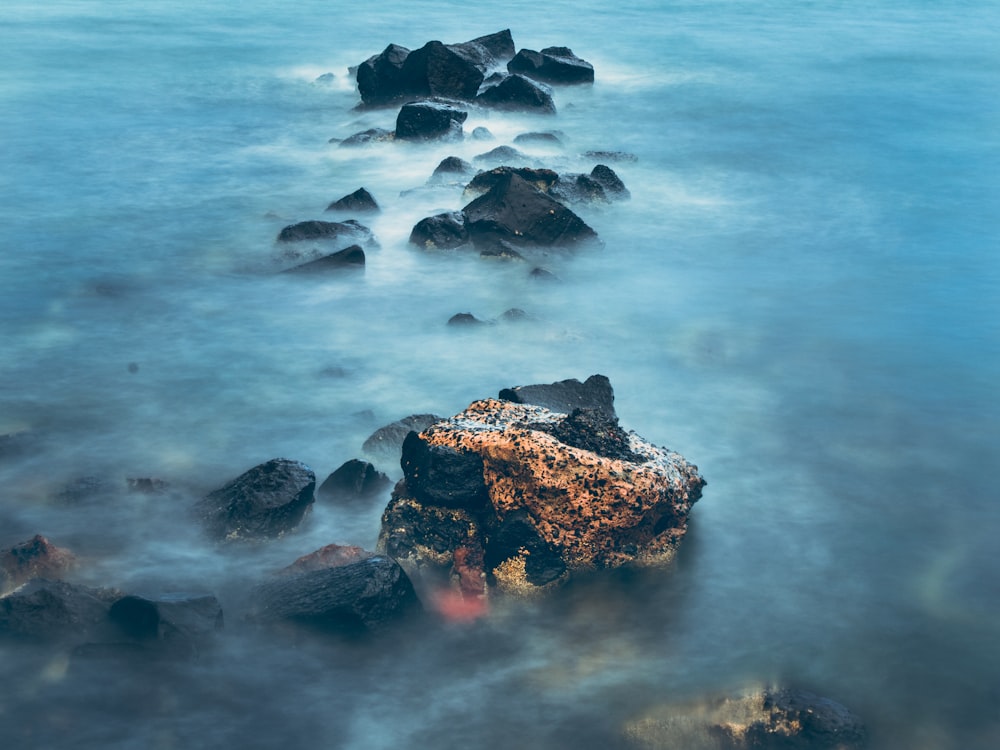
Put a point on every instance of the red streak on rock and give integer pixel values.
(454, 607)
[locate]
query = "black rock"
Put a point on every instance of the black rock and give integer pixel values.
(543, 179)
(517, 534)
(349, 231)
(44, 610)
(542, 274)
(502, 154)
(818, 722)
(566, 396)
(500, 251)
(516, 211)
(596, 431)
(381, 78)
(350, 257)
(451, 165)
(440, 475)
(354, 599)
(556, 65)
(354, 480)
(389, 439)
(518, 94)
(263, 503)
(618, 156)
(176, 622)
(367, 137)
(428, 120)
(443, 232)
(360, 201)
(464, 319)
(611, 182)
(579, 188)
(545, 139)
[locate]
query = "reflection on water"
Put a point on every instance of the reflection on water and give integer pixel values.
(800, 297)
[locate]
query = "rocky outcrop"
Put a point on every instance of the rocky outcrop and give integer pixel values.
(555, 65)
(760, 718)
(516, 93)
(517, 212)
(429, 120)
(360, 201)
(447, 70)
(366, 596)
(349, 257)
(354, 480)
(35, 558)
(534, 494)
(265, 502)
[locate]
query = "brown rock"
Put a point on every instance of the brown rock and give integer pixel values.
(329, 556)
(36, 558)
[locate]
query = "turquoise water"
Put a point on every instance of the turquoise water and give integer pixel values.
(801, 297)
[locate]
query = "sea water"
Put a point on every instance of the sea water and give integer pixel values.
(801, 297)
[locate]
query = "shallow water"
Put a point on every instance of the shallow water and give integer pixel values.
(800, 297)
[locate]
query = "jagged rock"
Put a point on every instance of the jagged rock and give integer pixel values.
(349, 257)
(442, 232)
(44, 610)
(566, 396)
(330, 556)
(611, 182)
(354, 480)
(35, 558)
(360, 201)
(516, 211)
(427, 120)
(556, 65)
(516, 93)
(508, 482)
(447, 70)
(388, 440)
(349, 231)
(263, 503)
(760, 718)
(178, 623)
(367, 137)
(360, 597)
(543, 179)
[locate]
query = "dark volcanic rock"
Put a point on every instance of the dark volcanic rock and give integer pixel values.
(465, 319)
(354, 480)
(595, 431)
(518, 94)
(442, 475)
(330, 556)
(176, 622)
(389, 439)
(617, 156)
(451, 165)
(545, 139)
(349, 231)
(44, 610)
(420, 121)
(350, 257)
(516, 211)
(367, 137)
(610, 181)
(566, 396)
(381, 78)
(543, 179)
(502, 154)
(360, 201)
(443, 232)
(577, 188)
(556, 65)
(263, 503)
(35, 558)
(366, 596)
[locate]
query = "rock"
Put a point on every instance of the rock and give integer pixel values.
(427, 120)
(83, 489)
(502, 154)
(538, 493)
(325, 79)
(566, 396)
(557, 65)
(442, 232)
(35, 558)
(349, 257)
(330, 556)
(516, 93)
(500, 251)
(177, 622)
(465, 319)
(611, 182)
(542, 274)
(577, 188)
(146, 485)
(354, 480)
(360, 201)
(515, 315)
(619, 156)
(360, 597)
(453, 71)
(348, 231)
(516, 211)
(263, 503)
(543, 179)
(367, 137)
(44, 610)
(451, 165)
(482, 134)
(388, 440)
(546, 139)
(760, 718)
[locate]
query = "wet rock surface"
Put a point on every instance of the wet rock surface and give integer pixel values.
(354, 480)
(566, 396)
(421, 121)
(35, 558)
(517, 93)
(56, 611)
(554, 65)
(349, 257)
(360, 201)
(263, 503)
(444, 231)
(349, 231)
(388, 440)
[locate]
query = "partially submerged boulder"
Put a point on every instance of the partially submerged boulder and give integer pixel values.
(349, 257)
(35, 558)
(56, 611)
(543, 179)
(330, 556)
(180, 623)
(555, 65)
(366, 138)
(429, 120)
(350, 232)
(388, 440)
(566, 396)
(360, 201)
(516, 93)
(535, 494)
(263, 503)
(759, 718)
(354, 480)
(441, 232)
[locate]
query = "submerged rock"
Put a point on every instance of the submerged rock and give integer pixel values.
(366, 596)
(366, 138)
(56, 611)
(349, 257)
(176, 623)
(556, 65)
(360, 201)
(566, 396)
(428, 120)
(330, 556)
(516, 93)
(354, 480)
(35, 558)
(761, 718)
(388, 440)
(441, 232)
(263, 503)
(350, 231)
(536, 494)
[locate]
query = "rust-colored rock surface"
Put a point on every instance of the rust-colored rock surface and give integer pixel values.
(330, 556)
(540, 492)
(35, 558)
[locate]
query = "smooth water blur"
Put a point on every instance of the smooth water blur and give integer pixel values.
(801, 297)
